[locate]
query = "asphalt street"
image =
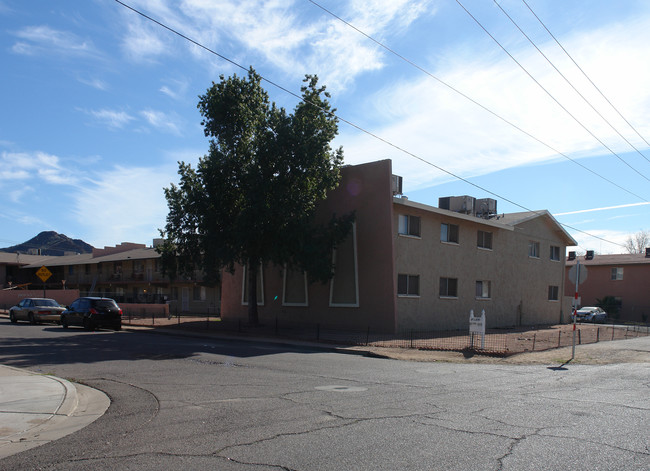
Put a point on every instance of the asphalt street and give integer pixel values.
(206, 403)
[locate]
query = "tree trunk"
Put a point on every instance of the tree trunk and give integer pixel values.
(253, 267)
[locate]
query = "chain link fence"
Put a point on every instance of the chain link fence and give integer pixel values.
(495, 342)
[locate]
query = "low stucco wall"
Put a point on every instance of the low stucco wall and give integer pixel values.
(12, 297)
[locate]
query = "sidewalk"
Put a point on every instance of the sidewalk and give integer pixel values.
(36, 409)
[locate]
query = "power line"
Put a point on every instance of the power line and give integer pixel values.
(483, 107)
(549, 93)
(567, 80)
(585, 74)
(359, 127)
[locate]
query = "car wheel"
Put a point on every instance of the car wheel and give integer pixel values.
(64, 322)
(31, 318)
(12, 317)
(118, 327)
(88, 325)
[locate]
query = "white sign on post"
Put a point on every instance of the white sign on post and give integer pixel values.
(477, 326)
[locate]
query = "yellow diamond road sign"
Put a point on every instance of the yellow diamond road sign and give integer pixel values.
(43, 273)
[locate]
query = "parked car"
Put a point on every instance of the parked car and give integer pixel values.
(36, 310)
(591, 314)
(92, 313)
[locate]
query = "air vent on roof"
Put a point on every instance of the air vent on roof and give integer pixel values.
(458, 204)
(396, 185)
(589, 255)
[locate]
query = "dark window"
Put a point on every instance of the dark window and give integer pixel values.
(484, 240)
(553, 293)
(449, 287)
(408, 285)
(483, 289)
(409, 225)
(555, 253)
(533, 249)
(449, 233)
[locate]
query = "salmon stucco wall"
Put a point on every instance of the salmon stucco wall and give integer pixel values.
(366, 190)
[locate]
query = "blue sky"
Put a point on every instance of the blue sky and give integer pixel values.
(99, 104)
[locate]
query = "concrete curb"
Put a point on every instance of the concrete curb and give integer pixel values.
(36, 409)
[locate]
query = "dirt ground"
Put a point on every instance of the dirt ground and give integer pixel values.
(634, 350)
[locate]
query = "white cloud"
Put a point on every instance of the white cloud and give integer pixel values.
(125, 204)
(43, 39)
(20, 167)
(440, 126)
(605, 208)
(111, 118)
(161, 121)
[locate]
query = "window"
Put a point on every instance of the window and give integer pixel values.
(198, 293)
(617, 273)
(483, 289)
(70, 269)
(409, 225)
(555, 253)
(553, 293)
(294, 292)
(533, 249)
(408, 285)
(344, 285)
(449, 287)
(260, 286)
(484, 240)
(449, 233)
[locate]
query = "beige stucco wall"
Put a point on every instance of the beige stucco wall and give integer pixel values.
(519, 284)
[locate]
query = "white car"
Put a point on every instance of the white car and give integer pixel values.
(591, 314)
(36, 310)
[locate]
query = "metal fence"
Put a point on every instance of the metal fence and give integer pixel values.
(496, 341)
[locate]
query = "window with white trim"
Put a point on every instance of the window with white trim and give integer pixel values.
(409, 225)
(344, 285)
(483, 289)
(448, 287)
(260, 287)
(617, 273)
(533, 249)
(408, 285)
(294, 288)
(449, 233)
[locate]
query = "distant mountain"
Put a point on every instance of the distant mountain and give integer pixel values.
(51, 243)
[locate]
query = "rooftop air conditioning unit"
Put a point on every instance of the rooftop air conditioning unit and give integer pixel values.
(396, 185)
(485, 207)
(572, 255)
(647, 252)
(459, 204)
(589, 255)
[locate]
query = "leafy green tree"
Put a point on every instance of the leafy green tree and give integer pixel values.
(252, 199)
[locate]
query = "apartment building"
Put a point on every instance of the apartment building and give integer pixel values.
(625, 277)
(408, 265)
(129, 273)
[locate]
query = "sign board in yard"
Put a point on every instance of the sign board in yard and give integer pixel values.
(477, 327)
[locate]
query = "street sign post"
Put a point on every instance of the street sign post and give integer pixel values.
(44, 274)
(577, 274)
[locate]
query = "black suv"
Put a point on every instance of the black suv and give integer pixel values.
(93, 313)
